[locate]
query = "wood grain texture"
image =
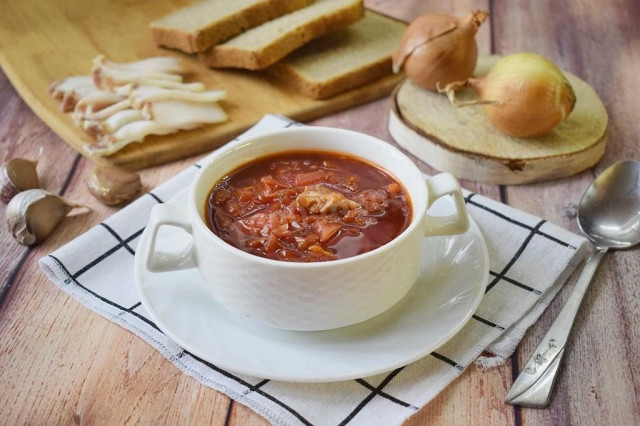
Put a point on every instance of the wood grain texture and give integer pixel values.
(62, 364)
(463, 142)
(22, 136)
(63, 38)
(599, 380)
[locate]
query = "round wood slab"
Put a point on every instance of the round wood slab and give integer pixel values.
(461, 141)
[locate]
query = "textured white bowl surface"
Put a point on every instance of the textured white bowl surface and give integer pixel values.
(438, 305)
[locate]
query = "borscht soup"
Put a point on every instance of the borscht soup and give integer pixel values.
(308, 206)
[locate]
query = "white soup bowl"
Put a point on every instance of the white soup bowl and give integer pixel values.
(317, 295)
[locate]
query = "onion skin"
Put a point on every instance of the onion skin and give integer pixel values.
(439, 49)
(525, 95)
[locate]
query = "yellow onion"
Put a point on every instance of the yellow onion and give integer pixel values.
(523, 95)
(439, 49)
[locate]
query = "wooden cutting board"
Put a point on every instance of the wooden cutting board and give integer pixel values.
(43, 40)
(463, 142)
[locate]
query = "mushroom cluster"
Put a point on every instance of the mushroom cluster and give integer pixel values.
(121, 103)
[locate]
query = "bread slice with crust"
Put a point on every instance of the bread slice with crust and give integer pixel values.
(342, 60)
(201, 25)
(266, 44)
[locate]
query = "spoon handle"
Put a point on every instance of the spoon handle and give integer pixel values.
(532, 388)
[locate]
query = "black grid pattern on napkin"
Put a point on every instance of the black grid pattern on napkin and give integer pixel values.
(135, 320)
(533, 231)
(122, 243)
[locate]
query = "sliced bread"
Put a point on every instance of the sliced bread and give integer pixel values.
(342, 60)
(264, 45)
(203, 24)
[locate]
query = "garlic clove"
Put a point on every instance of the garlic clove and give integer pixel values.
(113, 185)
(32, 215)
(18, 174)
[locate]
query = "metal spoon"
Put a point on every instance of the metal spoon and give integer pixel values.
(609, 215)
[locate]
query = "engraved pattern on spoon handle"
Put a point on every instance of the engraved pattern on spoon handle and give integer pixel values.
(554, 341)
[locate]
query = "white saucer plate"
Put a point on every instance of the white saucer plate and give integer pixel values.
(440, 303)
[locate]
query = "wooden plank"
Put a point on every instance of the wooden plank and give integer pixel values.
(56, 354)
(64, 38)
(463, 142)
(600, 374)
(22, 136)
(245, 416)
(476, 393)
(82, 366)
(81, 363)
(372, 118)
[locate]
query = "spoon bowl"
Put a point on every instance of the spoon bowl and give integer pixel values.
(609, 215)
(609, 211)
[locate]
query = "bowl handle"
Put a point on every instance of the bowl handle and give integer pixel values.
(457, 223)
(170, 214)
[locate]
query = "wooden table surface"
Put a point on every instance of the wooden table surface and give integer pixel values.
(61, 363)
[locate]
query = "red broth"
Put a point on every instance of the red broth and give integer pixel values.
(308, 207)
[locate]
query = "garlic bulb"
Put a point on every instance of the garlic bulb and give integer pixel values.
(33, 214)
(113, 185)
(439, 49)
(17, 175)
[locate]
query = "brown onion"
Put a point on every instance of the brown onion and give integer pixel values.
(439, 49)
(523, 94)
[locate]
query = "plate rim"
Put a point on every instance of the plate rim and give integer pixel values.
(426, 350)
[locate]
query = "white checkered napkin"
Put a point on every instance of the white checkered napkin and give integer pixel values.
(529, 259)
